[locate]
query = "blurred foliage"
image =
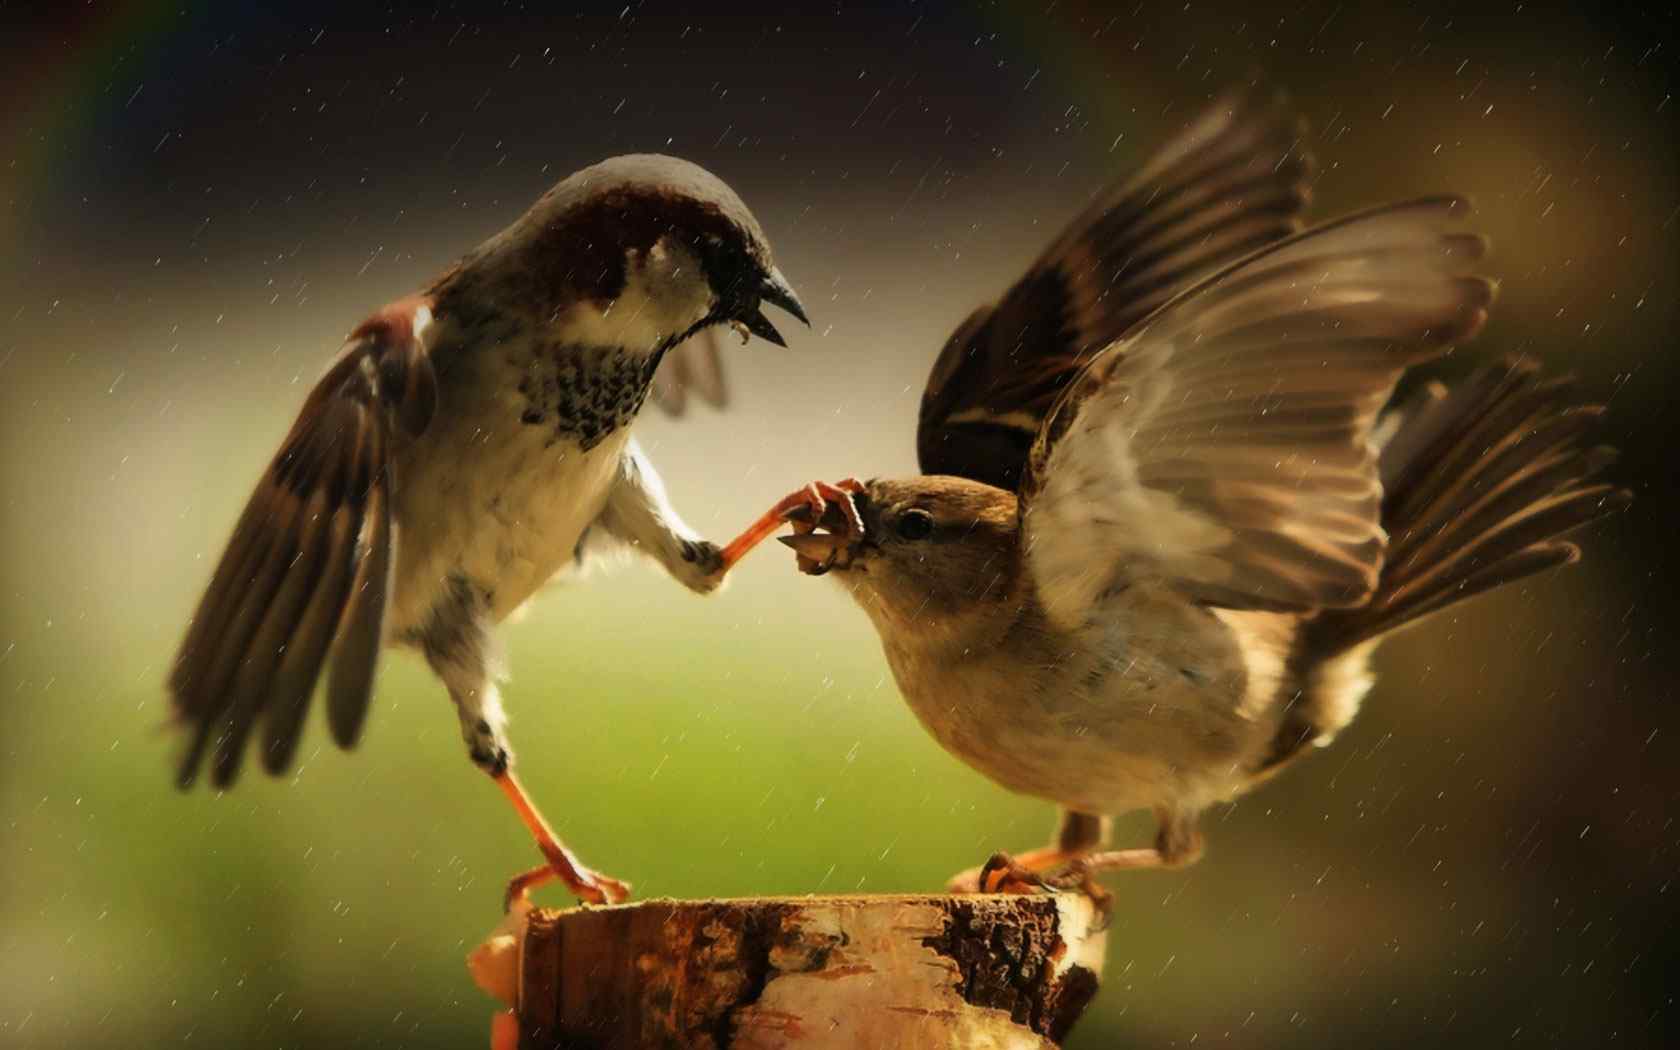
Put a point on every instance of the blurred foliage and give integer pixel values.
(199, 204)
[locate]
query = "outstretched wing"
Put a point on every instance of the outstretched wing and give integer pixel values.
(1234, 180)
(695, 366)
(308, 568)
(1225, 447)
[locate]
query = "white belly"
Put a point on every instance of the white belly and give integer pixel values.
(502, 507)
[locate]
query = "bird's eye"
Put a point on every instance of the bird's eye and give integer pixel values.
(915, 525)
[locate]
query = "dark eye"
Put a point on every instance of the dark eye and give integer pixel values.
(915, 525)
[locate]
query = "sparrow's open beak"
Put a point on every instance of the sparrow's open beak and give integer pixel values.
(773, 290)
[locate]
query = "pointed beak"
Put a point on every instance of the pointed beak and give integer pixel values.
(777, 292)
(759, 325)
(818, 551)
(774, 290)
(818, 546)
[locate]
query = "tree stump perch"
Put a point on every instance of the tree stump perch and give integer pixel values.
(812, 973)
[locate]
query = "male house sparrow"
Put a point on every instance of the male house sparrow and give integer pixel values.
(1162, 525)
(455, 454)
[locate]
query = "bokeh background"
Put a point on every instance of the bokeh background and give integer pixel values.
(198, 201)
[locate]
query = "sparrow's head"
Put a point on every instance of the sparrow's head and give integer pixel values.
(642, 251)
(933, 550)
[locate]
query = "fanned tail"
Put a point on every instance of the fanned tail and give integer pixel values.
(1480, 485)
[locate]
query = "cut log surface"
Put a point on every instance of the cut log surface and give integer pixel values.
(993, 971)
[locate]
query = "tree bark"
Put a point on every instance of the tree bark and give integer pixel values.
(812, 973)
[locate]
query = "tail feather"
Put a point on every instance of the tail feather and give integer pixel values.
(1480, 485)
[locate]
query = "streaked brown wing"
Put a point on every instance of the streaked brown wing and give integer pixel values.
(1225, 446)
(307, 571)
(695, 366)
(1233, 181)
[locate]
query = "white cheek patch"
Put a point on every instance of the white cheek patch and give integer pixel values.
(665, 294)
(625, 322)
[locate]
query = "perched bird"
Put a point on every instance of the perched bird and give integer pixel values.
(455, 455)
(1165, 520)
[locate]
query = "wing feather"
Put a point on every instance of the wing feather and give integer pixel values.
(306, 572)
(356, 652)
(693, 365)
(1225, 446)
(1233, 181)
(300, 663)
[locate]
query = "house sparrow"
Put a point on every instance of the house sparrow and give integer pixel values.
(1163, 524)
(455, 454)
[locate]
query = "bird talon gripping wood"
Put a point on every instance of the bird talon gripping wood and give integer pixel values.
(1002, 874)
(590, 886)
(469, 444)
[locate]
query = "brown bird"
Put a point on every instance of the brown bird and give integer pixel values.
(457, 455)
(1164, 523)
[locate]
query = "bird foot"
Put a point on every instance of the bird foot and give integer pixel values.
(586, 885)
(805, 508)
(592, 887)
(832, 508)
(1038, 871)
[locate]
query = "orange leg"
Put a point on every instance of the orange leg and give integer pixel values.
(504, 1031)
(1077, 835)
(1053, 869)
(1074, 860)
(813, 499)
(584, 884)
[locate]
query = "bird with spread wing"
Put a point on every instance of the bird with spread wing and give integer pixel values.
(455, 457)
(1167, 510)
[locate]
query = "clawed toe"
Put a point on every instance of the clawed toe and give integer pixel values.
(588, 886)
(1035, 872)
(832, 508)
(607, 890)
(804, 509)
(1002, 873)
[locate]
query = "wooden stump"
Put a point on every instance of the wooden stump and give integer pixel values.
(814, 973)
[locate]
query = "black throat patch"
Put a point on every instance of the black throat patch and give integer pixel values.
(584, 393)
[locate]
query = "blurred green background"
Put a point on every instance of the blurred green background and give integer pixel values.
(199, 202)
